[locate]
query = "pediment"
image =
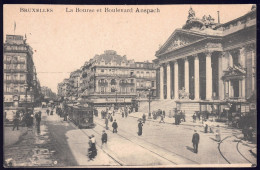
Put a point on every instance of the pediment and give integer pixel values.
(234, 72)
(178, 39)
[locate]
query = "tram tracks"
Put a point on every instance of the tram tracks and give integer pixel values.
(237, 149)
(153, 145)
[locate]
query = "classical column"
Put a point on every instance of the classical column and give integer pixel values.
(196, 78)
(168, 81)
(230, 91)
(186, 75)
(161, 83)
(243, 88)
(230, 59)
(208, 76)
(221, 68)
(242, 60)
(176, 80)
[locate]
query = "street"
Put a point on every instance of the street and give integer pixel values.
(61, 143)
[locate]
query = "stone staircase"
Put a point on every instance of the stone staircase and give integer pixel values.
(166, 105)
(188, 106)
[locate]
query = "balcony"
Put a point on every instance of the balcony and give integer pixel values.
(124, 84)
(15, 81)
(11, 70)
(13, 62)
(103, 83)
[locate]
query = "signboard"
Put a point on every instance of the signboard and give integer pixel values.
(16, 97)
(252, 106)
(113, 100)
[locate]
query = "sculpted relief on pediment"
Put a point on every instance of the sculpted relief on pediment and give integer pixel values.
(179, 41)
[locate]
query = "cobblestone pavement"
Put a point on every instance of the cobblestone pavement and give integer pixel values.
(39, 147)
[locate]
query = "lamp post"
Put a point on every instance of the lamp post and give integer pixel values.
(149, 95)
(26, 88)
(116, 97)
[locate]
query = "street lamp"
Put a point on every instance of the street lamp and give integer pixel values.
(149, 95)
(116, 97)
(26, 88)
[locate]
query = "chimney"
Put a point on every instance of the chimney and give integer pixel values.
(218, 17)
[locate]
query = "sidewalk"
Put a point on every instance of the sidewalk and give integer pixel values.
(11, 137)
(168, 120)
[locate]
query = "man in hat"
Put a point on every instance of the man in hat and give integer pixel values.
(93, 146)
(16, 120)
(195, 141)
(106, 122)
(114, 125)
(104, 137)
(140, 128)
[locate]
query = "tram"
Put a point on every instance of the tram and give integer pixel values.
(81, 115)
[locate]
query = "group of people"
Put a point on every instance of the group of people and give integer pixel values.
(248, 133)
(179, 116)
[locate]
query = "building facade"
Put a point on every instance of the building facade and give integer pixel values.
(205, 61)
(110, 79)
(20, 79)
(48, 94)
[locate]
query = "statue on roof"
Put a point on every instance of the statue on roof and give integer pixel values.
(191, 14)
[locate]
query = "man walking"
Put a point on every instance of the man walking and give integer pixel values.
(195, 141)
(114, 125)
(104, 137)
(16, 120)
(140, 128)
(162, 117)
(106, 122)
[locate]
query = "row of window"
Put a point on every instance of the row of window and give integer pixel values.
(14, 77)
(120, 90)
(15, 48)
(113, 81)
(14, 66)
(113, 63)
(145, 84)
(125, 72)
(14, 58)
(14, 88)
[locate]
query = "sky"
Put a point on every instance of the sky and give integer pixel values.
(63, 41)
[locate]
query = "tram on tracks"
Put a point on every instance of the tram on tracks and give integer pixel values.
(81, 115)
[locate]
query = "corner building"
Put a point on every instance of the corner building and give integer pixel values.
(19, 73)
(110, 79)
(209, 61)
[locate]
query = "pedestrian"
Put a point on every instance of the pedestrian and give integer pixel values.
(114, 125)
(93, 146)
(194, 118)
(16, 120)
(195, 141)
(126, 113)
(162, 117)
(51, 111)
(104, 137)
(38, 119)
(250, 133)
(245, 132)
(163, 113)
(144, 118)
(90, 156)
(140, 128)
(65, 116)
(106, 122)
(47, 111)
(111, 118)
(123, 113)
(218, 137)
(199, 115)
(205, 124)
